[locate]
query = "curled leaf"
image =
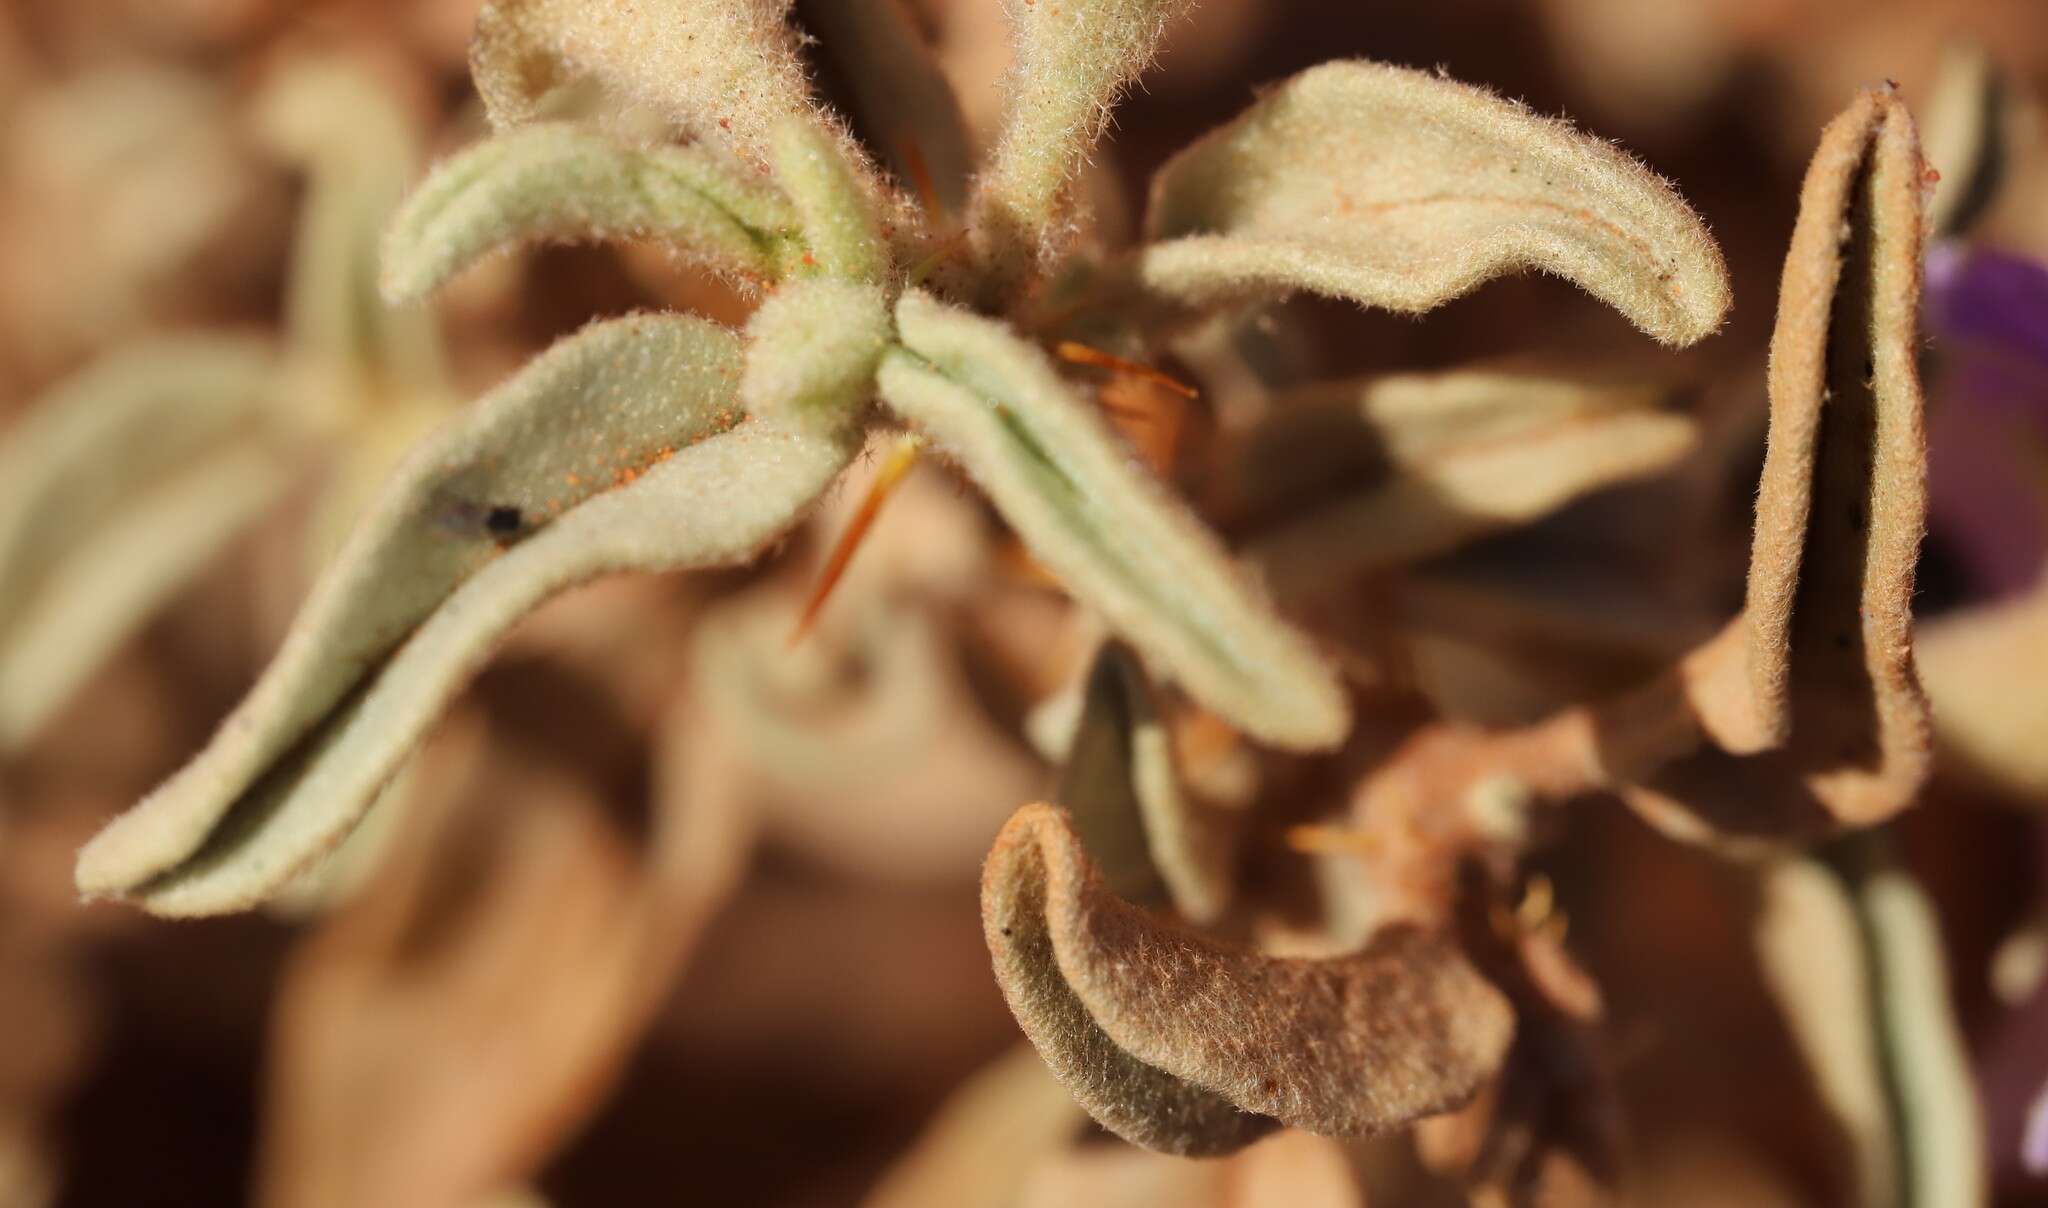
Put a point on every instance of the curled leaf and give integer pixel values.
(1190, 1045)
(118, 485)
(722, 70)
(615, 450)
(1121, 783)
(551, 181)
(1400, 189)
(1117, 540)
(1816, 679)
(1071, 61)
(1429, 462)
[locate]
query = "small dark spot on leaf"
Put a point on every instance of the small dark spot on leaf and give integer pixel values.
(1006, 931)
(504, 521)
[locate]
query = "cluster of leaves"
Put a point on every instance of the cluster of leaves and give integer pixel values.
(903, 290)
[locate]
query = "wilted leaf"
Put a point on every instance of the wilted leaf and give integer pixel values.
(1174, 1041)
(551, 181)
(1853, 951)
(117, 486)
(1116, 539)
(1407, 467)
(1071, 61)
(1122, 786)
(1403, 190)
(1817, 674)
(722, 70)
(615, 450)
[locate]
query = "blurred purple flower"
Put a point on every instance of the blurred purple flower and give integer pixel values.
(1988, 430)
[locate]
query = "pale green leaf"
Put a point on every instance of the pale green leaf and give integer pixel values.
(1853, 951)
(1121, 783)
(615, 450)
(1403, 190)
(1117, 539)
(834, 202)
(340, 126)
(99, 596)
(721, 70)
(1420, 464)
(556, 182)
(812, 350)
(93, 462)
(1072, 59)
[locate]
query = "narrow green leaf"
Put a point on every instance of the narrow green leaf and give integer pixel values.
(1071, 61)
(551, 181)
(1403, 190)
(1119, 541)
(615, 450)
(833, 201)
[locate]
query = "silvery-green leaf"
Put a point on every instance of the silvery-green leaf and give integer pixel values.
(96, 598)
(128, 452)
(834, 205)
(723, 70)
(618, 449)
(1410, 466)
(359, 152)
(1121, 783)
(1117, 539)
(1071, 61)
(906, 106)
(552, 181)
(1401, 189)
(1853, 951)
(812, 349)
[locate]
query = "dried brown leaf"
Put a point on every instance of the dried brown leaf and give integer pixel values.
(1174, 1040)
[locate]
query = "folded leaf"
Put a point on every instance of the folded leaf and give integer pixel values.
(812, 349)
(1071, 61)
(1816, 678)
(122, 461)
(723, 70)
(1408, 467)
(1115, 538)
(1161, 1033)
(551, 181)
(1401, 189)
(615, 450)
(1121, 784)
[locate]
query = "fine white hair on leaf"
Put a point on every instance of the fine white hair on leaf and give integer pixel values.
(1117, 539)
(1072, 60)
(1397, 189)
(512, 503)
(556, 182)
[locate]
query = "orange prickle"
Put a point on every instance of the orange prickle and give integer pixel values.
(1084, 354)
(901, 457)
